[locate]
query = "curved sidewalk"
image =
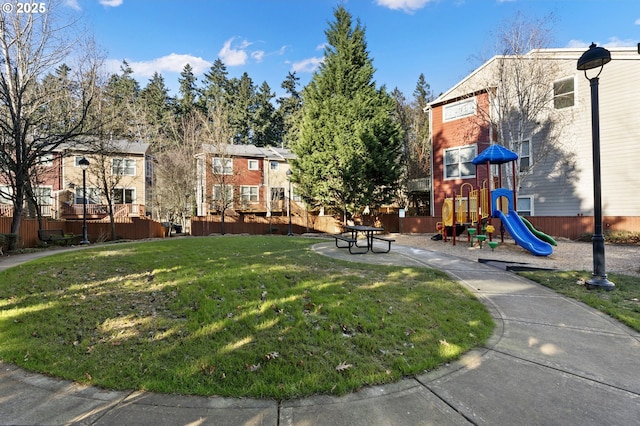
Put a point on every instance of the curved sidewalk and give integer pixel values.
(551, 360)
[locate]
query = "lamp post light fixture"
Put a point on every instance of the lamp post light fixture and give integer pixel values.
(596, 57)
(84, 165)
(289, 173)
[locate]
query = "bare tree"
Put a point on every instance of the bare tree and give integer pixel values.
(520, 86)
(173, 196)
(31, 46)
(219, 134)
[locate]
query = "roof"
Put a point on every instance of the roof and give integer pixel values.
(252, 151)
(480, 79)
(122, 146)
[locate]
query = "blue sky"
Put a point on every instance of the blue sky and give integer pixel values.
(269, 38)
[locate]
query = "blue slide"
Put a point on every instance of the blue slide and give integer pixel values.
(522, 235)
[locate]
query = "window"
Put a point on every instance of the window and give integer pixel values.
(6, 194)
(249, 193)
(123, 167)
(563, 91)
(46, 160)
(76, 160)
(460, 109)
(222, 166)
(124, 196)
(277, 194)
(222, 193)
(525, 205)
(44, 195)
(458, 162)
(253, 164)
(274, 165)
(525, 156)
(93, 196)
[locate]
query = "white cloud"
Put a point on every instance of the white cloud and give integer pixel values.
(111, 3)
(233, 56)
(637, 21)
(173, 63)
(307, 65)
(258, 55)
(73, 4)
(612, 42)
(409, 6)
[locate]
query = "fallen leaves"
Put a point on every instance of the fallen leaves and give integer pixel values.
(343, 366)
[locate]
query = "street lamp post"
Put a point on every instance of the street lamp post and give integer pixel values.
(596, 57)
(289, 173)
(84, 165)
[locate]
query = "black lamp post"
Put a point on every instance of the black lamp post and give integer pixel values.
(289, 173)
(84, 165)
(596, 57)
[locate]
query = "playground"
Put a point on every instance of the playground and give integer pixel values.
(471, 209)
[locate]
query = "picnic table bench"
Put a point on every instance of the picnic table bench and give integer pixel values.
(55, 236)
(370, 233)
(385, 239)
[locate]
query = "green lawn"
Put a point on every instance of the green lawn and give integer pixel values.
(622, 303)
(232, 316)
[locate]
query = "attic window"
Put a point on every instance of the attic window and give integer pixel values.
(459, 109)
(563, 93)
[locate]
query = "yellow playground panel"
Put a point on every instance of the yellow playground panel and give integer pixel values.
(467, 208)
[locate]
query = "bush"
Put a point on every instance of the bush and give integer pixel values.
(8, 241)
(615, 237)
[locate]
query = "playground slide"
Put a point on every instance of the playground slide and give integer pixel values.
(541, 235)
(522, 235)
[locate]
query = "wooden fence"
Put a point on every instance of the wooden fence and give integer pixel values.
(139, 228)
(253, 224)
(126, 228)
(557, 226)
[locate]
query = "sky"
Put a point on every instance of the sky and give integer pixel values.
(267, 39)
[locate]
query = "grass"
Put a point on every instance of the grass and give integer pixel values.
(622, 303)
(232, 316)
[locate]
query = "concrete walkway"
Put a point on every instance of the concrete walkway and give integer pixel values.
(551, 361)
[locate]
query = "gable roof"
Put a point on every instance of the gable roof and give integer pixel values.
(480, 79)
(251, 151)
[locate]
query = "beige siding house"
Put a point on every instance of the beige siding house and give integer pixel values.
(555, 172)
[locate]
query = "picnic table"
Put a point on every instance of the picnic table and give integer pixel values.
(370, 233)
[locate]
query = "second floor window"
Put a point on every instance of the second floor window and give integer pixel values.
(563, 91)
(525, 156)
(458, 162)
(123, 167)
(222, 166)
(253, 164)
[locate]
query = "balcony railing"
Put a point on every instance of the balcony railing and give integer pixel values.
(99, 211)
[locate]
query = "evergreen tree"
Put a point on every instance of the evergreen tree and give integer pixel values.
(121, 95)
(266, 125)
(216, 84)
(241, 108)
(349, 146)
(289, 109)
(187, 90)
(419, 146)
(156, 107)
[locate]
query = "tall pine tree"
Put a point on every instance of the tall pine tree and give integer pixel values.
(349, 146)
